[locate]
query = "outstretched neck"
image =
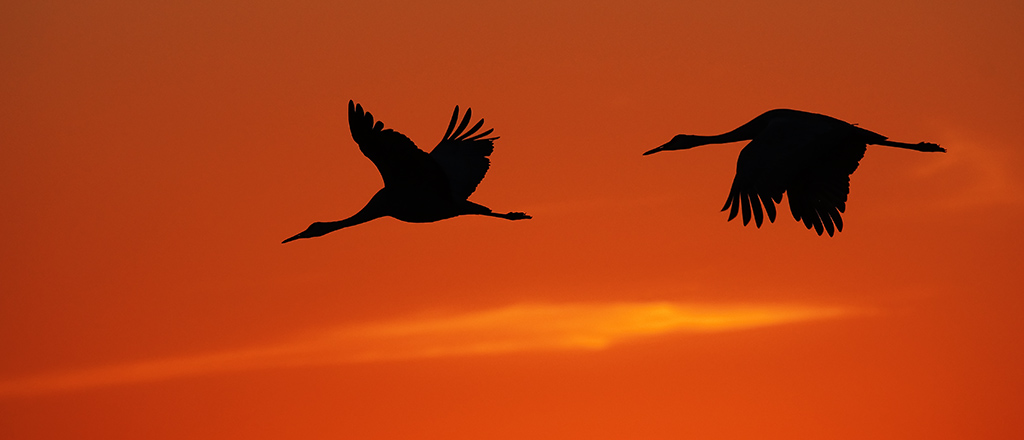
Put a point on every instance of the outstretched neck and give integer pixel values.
(376, 208)
(360, 217)
(742, 133)
(695, 140)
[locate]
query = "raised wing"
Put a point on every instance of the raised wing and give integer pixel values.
(400, 162)
(462, 154)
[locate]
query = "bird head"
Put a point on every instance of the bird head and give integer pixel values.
(679, 142)
(314, 230)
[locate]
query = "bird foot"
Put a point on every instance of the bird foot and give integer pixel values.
(928, 146)
(517, 216)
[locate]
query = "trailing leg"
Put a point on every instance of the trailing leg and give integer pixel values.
(920, 146)
(473, 208)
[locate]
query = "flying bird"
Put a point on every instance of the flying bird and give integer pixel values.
(806, 155)
(419, 187)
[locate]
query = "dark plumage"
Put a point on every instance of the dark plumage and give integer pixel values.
(807, 155)
(419, 187)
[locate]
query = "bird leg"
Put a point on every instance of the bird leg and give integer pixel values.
(921, 146)
(473, 208)
(513, 215)
(507, 215)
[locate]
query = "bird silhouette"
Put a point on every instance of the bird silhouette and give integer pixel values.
(419, 187)
(806, 155)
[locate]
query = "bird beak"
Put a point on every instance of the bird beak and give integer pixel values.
(661, 148)
(293, 238)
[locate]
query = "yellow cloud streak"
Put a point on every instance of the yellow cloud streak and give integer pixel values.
(504, 330)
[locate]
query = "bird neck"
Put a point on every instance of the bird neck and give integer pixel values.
(377, 207)
(744, 132)
(360, 217)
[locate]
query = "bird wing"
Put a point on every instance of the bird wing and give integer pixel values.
(809, 159)
(819, 190)
(462, 154)
(760, 180)
(400, 162)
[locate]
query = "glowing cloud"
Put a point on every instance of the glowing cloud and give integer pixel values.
(505, 330)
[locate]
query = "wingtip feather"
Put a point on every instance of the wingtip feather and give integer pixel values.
(470, 132)
(481, 135)
(464, 123)
(451, 124)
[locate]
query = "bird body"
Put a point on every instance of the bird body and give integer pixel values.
(419, 187)
(808, 156)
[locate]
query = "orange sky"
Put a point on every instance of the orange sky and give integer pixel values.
(155, 155)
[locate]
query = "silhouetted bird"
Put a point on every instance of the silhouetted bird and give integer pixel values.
(807, 155)
(419, 187)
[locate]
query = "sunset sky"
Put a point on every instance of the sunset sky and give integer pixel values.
(155, 154)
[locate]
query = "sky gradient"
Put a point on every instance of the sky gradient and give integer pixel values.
(155, 155)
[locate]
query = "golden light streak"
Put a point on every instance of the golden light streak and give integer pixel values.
(518, 328)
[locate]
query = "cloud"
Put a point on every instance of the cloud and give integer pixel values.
(984, 174)
(518, 328)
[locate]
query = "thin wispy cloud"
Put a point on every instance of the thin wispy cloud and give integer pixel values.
(988, 177)
(519, 328)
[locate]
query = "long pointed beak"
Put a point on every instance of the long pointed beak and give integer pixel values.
(293, 238)
(661, 148)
